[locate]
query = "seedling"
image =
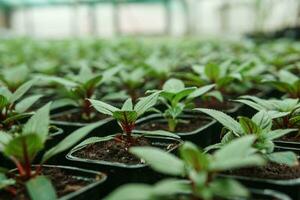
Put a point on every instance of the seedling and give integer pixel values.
(23, 147)
(176, 97)
(285, 112)
(128, 114)
(13, 107)
(198, 169)
(78, 88)
(287, 83)
(14, 77)
(259, 125)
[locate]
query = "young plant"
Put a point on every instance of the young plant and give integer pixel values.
(259, 125)
(128, 114)
(198, 169)
(23, 147)
(285, 112)
(132, 81)
(14, 77)
(78, 88)
(13, 107)
(176, 97)
(287, 83)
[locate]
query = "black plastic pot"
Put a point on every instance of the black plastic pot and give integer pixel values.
(120, 173)
(203, 136)
(69, 127)
(94, 189)
(289, 144)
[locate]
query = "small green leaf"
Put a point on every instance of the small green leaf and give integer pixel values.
(288, 158)
(145, 103)
(127, 105)
(160, 160)
(169, 187)
(212, 71)
(3, 102)
(229, 189)
(40, 188)
(26, 103)
(125, 116)
(39, 123)
(131, 191)
(103, 107)
(249, 126)
(200, 91)
(4, 181)
(173, 85)
(16, 146)
(21, 91)
(223, 118)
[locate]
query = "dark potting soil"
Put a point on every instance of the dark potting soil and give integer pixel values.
(290, 138)
(187, 126)
(112, 151)
(62, 182)
(78, 117)
(270, 171)
(214, 104)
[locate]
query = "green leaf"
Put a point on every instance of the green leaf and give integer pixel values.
(26, 103)
(3, 102)
(21, 91)
(236, 154)
(249, 126)
(125, 116)
(61, 81)
(263, 120)
(288, 158)
(71, 140)
(229, 188)
(173, 86)
(212, 71)
(277, 133)
(252, 104)
(16, 146)
(160, 160)
(39, 123)
(16, 117)
(4, 181)
(145, 103)
(169, 187)
(182, 94)
(127, 105)
(194, 157)
(200, 91)
(40, 188)
(223, 118)
(131, 191)
(103, 107)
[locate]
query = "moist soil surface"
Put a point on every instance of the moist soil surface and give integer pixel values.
(62, 182)
(214, 104)
(270, 171)
(78, 117)
(187, 126)
(115, 150)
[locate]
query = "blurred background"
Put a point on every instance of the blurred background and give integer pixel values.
(108, 18)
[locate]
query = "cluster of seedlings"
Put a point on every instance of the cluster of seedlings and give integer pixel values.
(149, 119)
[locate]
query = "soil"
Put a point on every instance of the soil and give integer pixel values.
(62, 182)
(78, 117)
(112, 151)
(116, 150)
(270, 171)
(223, 106)
(191, 125)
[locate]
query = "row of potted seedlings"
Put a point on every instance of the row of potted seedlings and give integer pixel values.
(211, 132)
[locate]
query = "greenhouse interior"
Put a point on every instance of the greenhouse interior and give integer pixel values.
(149, 99)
